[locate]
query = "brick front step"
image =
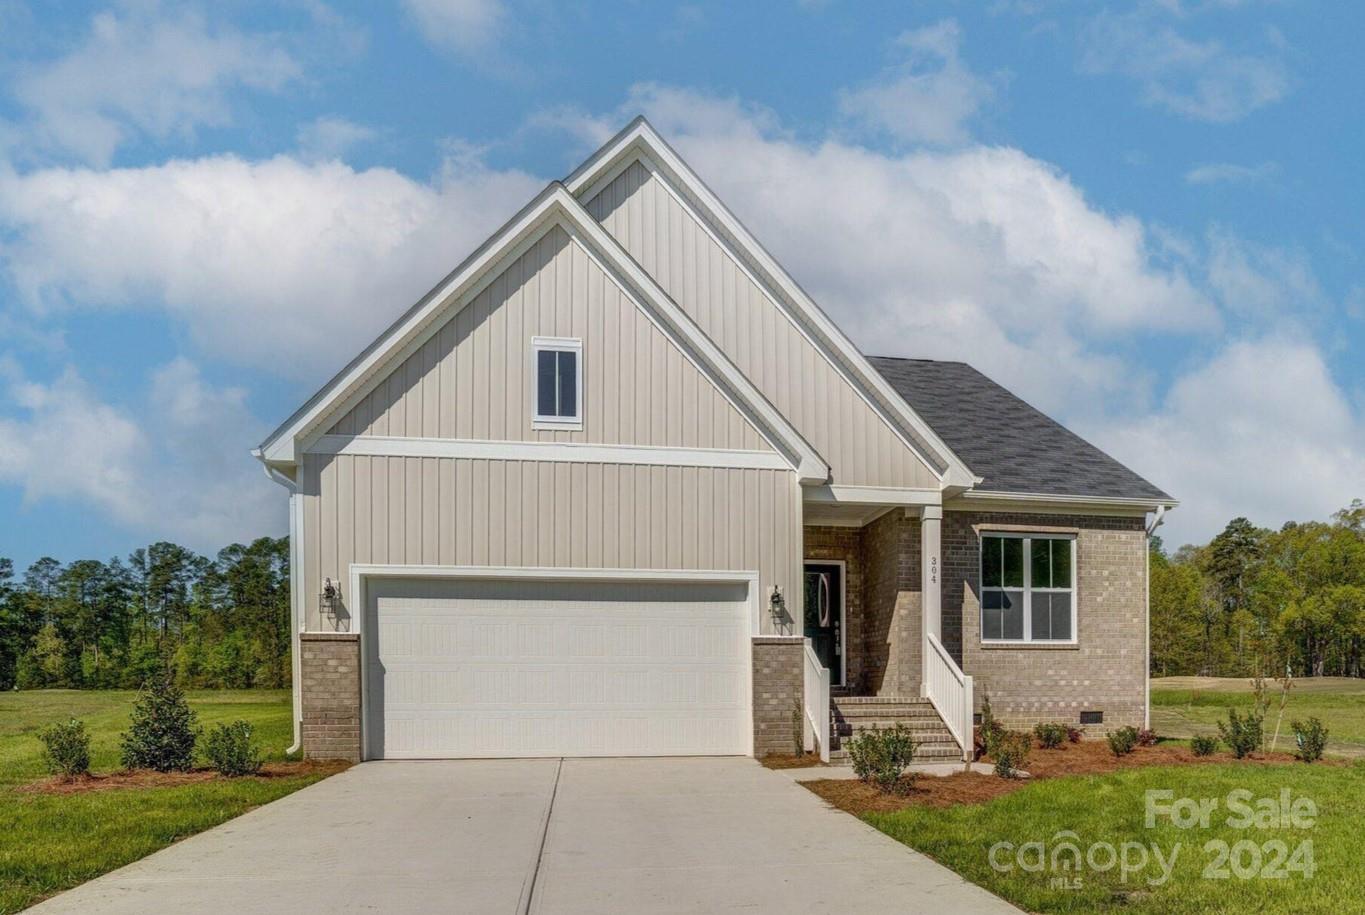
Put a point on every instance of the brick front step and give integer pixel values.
(884, 713)
(921, 728)
(937, 739)
(855, 714)
(934, 753)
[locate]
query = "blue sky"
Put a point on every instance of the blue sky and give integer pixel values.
(1145, 218)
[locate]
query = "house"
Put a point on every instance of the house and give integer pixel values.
(617, 486)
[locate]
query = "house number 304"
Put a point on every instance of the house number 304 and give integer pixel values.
(933, 569)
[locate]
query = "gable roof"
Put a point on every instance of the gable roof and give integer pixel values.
(553, 206)
(640, 141)
(1016, 448)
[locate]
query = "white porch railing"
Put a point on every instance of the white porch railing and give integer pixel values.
(950, 690)
(816, 692)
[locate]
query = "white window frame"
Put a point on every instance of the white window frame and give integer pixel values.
(1028, 589)
(556, 345)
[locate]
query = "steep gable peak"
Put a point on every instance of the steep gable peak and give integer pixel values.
(639, 142)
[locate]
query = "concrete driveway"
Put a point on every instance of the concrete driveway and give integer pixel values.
(552, 836)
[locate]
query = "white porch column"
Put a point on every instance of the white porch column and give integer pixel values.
(931, 602)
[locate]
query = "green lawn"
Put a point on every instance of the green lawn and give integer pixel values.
(1110, 808)
(1185, 706)
(51, 842)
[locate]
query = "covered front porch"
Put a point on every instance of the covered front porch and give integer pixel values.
(873, 618)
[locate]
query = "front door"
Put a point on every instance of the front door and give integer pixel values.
(824, 594)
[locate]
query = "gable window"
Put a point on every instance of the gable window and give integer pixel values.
(1028, 590)
(558, 382)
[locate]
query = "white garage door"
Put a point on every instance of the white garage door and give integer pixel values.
(481, 668)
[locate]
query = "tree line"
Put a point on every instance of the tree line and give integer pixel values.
(214, 623)
(1254, 601)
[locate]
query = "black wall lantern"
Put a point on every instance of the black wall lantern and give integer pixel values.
(329, 601)
(777, 605)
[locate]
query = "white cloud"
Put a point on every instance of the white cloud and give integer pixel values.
(1204, 81)
(331, 138)
(175, 466)
(1264, 283)
(1230, 173)
(279, 264)
(148, 75)
(1260, 430)
(927, 98)
(467, 27)
(69, 445)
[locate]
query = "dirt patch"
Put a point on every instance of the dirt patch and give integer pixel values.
(804, 761)
(1086, 758)
(146, 778)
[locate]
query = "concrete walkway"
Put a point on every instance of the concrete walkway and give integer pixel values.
(581, 835)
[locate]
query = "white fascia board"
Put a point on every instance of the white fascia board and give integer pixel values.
(873, 495)
(553, 206)
(281, 446)
(550, 452)
(1023, 501)
(639, 137)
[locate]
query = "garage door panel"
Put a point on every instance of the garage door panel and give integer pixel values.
(545, 669)
(489, 687)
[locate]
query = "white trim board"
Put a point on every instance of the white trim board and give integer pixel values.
(360, 572)
(1042, 503)
(639, 140)
(556, 452)
(1028, 590)
(540, 345)
(873, 495)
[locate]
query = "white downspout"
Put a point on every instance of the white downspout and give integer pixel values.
(1147, 611)
(295, 597)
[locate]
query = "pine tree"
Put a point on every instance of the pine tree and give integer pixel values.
(163, 729)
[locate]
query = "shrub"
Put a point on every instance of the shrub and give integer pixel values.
(988, 732)
(1123, 740)
(229, 749)
(1146, 738)
(1242, 734)
(1204, 745)
(163, 729)
(881, 757)
(1074, 734)
(1011, 753)
(1050, 735)
(67, 748)
(1311, 737)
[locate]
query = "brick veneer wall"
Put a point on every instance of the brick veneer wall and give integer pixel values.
(845, 544)
(1105, 670)
(330, 671)
(779, 688)
(891, 600)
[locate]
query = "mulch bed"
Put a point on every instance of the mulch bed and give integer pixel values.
(147, 778)
(804, 761)
(1089, 757)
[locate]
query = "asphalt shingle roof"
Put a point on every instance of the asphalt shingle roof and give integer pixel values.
(1000, 437)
